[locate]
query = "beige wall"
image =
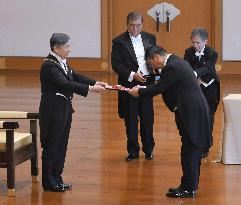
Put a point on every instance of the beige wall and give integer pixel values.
(206, 13)
(177, 39)
(227, 67)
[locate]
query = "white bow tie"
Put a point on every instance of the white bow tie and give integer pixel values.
(63, 61)
(199, 53)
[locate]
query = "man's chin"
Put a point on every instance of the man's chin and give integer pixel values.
(135, 34)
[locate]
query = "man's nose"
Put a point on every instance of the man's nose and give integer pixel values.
(196, 46)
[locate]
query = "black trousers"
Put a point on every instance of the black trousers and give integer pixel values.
(212, 94)
(139, 109)
(54, 150)
(191, 161)
(191, 156)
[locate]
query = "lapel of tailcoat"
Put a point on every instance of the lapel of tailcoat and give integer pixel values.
(55, 60)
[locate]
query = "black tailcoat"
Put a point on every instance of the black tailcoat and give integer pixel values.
(124, 61)
(181, 91)
(183, 95)
(55, 112)
(205, 69)
(54, 80)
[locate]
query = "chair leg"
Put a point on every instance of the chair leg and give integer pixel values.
(11, 176)
(34, 159)
(11, 163)
(11, 179)
(34, 169)
(11, 192)
(35, 179)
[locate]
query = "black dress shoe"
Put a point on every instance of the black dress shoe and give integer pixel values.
(181, 193)
(174, 189)
(131, 157)
(204, 155)
(149, 156)
(58, 188)
(66, 186)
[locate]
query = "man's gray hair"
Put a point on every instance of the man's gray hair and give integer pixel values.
(132, 16)
(201, 32)
(58, 39)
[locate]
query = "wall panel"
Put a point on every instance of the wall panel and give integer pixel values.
(206, 13)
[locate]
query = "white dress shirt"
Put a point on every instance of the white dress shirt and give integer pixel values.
(140, 56)
(64, 66)
(199, 54)
(61, 61)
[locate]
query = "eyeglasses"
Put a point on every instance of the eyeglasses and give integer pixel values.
(196, 43)
(135, 25)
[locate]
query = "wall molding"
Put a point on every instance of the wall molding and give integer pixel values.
(80, 64)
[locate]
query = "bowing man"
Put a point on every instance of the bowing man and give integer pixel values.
(183, 96)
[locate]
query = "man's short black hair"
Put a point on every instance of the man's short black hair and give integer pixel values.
(58, 39)
(154, 50)
(201, 32)
(132, 16)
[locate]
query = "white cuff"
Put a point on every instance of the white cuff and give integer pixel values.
(131, 76)
(195, 73)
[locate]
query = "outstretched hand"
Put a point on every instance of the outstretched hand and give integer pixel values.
(103, 84)
(96, 88)
(134, 91)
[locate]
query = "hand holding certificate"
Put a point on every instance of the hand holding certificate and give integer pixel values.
(116, 87)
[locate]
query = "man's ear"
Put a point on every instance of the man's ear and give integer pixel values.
(55, 47)
(155, 56)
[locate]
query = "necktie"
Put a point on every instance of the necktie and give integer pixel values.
(65, 68)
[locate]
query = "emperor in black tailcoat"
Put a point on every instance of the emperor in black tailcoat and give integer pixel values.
(58, 83)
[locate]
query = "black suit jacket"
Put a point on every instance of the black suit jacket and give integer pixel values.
(124, 61)
(180, 89)
(205, 68)
(54, 80)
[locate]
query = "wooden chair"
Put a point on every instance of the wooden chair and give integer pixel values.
(18, 147)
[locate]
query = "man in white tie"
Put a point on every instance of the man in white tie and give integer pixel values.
(128, 61)
(202, 59)
(58, 83)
